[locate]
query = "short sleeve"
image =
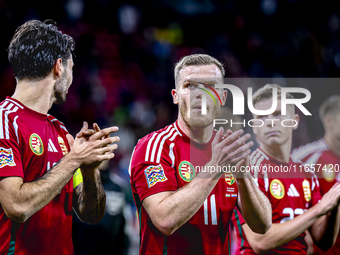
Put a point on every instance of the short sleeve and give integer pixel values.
(149, 178)
(10, 155)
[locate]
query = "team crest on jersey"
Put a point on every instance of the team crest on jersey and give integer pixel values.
(229, 178)
(277, 189)
(36, 144)
(6, 157)
(329, 174)
(186, 170)
(154, 174)
(306, 190)
(62, 145)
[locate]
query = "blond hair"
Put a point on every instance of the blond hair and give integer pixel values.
(197, 60)
(266, 92)
(331, 106)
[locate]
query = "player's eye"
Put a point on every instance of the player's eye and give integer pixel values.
(210, 85)
(190, 85)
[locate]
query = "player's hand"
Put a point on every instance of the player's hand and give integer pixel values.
(230, 149)
(97, 129)
(92, 150)
(85, 132)
(330, 199)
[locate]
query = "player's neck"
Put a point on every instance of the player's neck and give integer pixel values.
(280, 153)
(35, 95)
(333, 144)
(199, 135)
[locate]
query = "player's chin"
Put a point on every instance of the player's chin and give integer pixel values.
(200, 121)
(275, 141)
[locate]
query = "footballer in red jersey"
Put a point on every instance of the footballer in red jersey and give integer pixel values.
(39, 180)
(324, 155)
(292, 189)
(183, 207)
(289, 198)
(41, 141)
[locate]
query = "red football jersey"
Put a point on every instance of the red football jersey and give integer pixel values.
(326, 164)
(289, 197)
(167, 160)
(30, 144)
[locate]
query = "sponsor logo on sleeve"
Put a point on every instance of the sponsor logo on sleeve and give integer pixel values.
(6, 157)
(154, 174)
(36, 144)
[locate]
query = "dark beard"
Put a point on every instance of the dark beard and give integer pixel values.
(59, 92)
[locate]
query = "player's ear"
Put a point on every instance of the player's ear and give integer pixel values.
(297, 119)
(224, 97)
(327, 120)
(58, 68)
(174, 96)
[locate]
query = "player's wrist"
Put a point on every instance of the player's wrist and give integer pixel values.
(89, 172)
(320, 209)
(212, 170)
(241, 176)
(72, 161)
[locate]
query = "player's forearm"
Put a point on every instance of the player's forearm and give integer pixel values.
(90, 204)
(281, 233)
(176, 209)
(30, 197)
(256, 209)
(326, 229)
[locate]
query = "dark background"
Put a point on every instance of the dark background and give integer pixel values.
(126, 52)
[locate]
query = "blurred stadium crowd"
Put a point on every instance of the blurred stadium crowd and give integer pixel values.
(126, 51)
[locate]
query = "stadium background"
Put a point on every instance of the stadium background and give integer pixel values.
(126, 51)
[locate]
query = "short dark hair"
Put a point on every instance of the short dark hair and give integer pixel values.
(35, 47)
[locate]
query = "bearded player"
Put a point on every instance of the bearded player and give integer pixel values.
(182, 210)
(294, 196)
(324, 154)
(37, 188)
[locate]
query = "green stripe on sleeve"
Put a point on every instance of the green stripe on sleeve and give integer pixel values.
(239, 226)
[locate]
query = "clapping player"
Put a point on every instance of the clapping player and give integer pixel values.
(294, 196)
(39, 180)
(181, 210)
(324, 155)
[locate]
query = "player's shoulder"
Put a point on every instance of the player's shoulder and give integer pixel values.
(303, 169)
(57, 123)
(156, 144)
(10, 108)
(162, 136)
(305, 151)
